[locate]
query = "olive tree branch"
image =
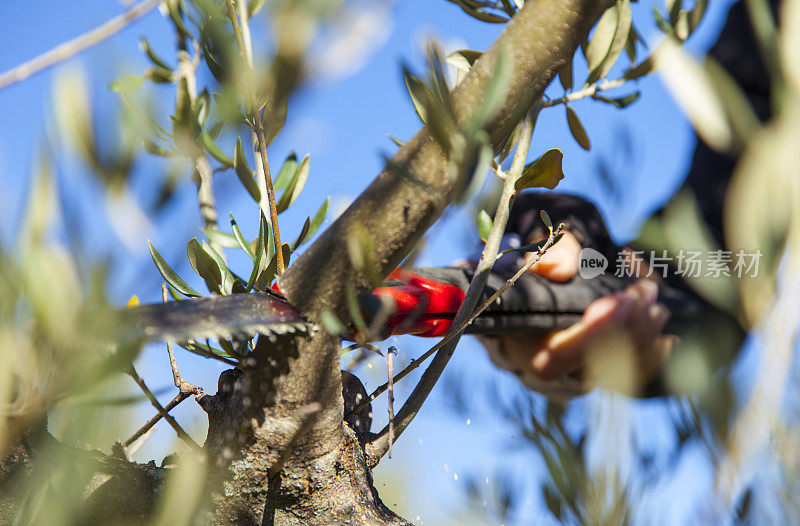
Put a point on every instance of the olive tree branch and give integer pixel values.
(265, 178)
(72, 47)
(202, 174)
(162, 412)
(382, 442)
(588, 91)
(183, 386)
(395, 214)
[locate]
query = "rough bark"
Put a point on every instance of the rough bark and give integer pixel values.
(118, 491)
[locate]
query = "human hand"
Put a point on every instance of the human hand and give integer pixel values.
(617, 342)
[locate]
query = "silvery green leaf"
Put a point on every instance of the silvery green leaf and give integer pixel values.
(295, 186)
(145, 46)
(169, 275)
(318, 218)
(221, 238)
(241, 240)
(694, 92)
(258, 263)
(546, 219)
(254, 6)
(244, 173)
(204, 265)
(420, 94)
(215, 151)
(600, 42)
(127, 83)
(577, 130)
(286, 173)
(617, 43)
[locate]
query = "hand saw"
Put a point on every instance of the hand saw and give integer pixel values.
(421, 301)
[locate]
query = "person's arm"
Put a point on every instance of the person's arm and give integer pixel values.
(618, 340)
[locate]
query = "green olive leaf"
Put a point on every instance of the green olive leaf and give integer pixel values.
(215, 151)
(286, 173)
(295, 186)
(241, 240)
(244, 173)
(204, 265)
(169, 275)
(221, 238)
(577, 130)
(544, 172)
(484, 225)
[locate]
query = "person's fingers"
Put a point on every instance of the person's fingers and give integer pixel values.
(652, 361)
(564, 351)
(517, 350)
(632, 316)
(560, 262)
(657, 317)
(638, 325)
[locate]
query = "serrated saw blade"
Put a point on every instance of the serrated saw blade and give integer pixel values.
(232, 316)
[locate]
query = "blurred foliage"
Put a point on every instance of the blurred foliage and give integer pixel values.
(62, 361)
(762, 213)
(62, 345)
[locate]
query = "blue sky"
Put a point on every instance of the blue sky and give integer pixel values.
(343, 124)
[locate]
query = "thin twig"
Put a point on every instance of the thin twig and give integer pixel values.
(261, 174)
(138, 443)
(72, 47)
(182, 385)
(304, 413)
(588, 91)
(162, 412)
(466, 313)
(258, 128)
(392, 351)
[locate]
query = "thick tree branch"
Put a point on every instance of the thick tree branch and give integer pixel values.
(383, 443)
(394, 212)
(540, 39)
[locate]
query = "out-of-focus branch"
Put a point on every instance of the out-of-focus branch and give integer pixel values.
(72, 47)
(202, 173)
